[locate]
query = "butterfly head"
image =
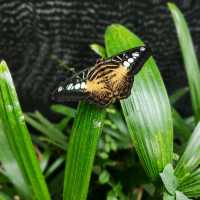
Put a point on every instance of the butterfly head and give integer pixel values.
(134, 59)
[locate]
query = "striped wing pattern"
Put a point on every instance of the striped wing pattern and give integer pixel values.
(107, 81)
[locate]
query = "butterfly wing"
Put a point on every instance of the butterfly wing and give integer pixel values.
(97, 85)
(130, 63)
(72, 89)
(108, 80)
(98, 92)
(121, 81)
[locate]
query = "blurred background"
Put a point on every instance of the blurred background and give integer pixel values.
(36, 34)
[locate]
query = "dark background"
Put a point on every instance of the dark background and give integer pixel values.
(32, 31)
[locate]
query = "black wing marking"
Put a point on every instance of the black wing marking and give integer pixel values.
(72, 89)
(133, 59)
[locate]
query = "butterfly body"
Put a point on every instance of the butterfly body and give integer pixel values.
(108, 80)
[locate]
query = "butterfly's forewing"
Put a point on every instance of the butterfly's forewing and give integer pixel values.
(72, 89)
(130, 63)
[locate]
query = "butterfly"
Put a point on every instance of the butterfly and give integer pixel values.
(108, 80)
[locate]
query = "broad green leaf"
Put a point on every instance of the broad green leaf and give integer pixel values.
(189, 57)
(18, 137)
(181, 196)
(169, 180)
(167, 196)
(100, 50)
(190, 159)
(86, 131)
(147, 110)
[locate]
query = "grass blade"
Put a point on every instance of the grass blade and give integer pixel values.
(191, 184)
(82, 147)
(18, 137)
(64, 110)
(11, 169)
(47, 128)
(178, 94)
(189, 57)
(190, 159)
(147, 110)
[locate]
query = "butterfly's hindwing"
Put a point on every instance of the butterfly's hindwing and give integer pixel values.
(98, 92)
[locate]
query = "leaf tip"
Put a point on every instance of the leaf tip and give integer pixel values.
(5, 73)
(3, 66)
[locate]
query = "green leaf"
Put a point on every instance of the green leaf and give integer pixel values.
(4, 196)
(190, 185)
(12, 170)
(64, 110)
(180, 125)
(111, 197)
(54, 166)
(178, 94)
(189, 57)
(181, 196)
(104, 177)
(190, 159)
(98, 49)
(147, 110)
(45, 160)
(167, 196)
(18, 137)
(169, 180)
(47, 128)
(62, 125)
(86, 131)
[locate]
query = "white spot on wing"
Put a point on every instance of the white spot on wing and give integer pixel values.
(70, 86)
(82, 85)
(126, 64)
(77, 86)
(130, 60)
(142, 48)
(60, 89)
(136, 54)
